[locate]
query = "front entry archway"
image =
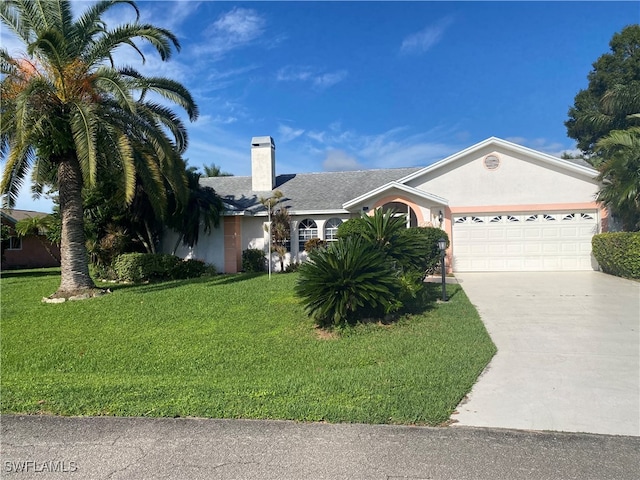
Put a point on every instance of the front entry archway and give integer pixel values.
(400, 208)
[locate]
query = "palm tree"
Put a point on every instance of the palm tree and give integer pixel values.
(67, 108)
(214, 170)
(620, 175)
(203, 205)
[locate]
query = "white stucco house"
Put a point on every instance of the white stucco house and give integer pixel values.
(505, 207)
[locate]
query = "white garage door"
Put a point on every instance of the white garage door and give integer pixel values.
(523, 242)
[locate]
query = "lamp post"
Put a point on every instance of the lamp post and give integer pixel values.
(442, 245)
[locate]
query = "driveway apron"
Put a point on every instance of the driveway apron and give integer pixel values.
(568, 352)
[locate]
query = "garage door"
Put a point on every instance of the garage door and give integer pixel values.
(523, 242)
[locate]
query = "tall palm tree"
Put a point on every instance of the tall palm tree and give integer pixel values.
(67, 108)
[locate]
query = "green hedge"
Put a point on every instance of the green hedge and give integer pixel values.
(253, 260)
(618, 253)
(354, 226)
(141, 267)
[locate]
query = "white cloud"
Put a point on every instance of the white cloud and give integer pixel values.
(303, 73)
(327, 80)
(544, 145)
(287, 133)
(236, 28)
(292, 73)
(340, 161)
(423, 40)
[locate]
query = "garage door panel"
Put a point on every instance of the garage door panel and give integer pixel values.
(559, 241)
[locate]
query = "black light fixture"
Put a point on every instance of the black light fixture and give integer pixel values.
(440, 217)
(442, 245)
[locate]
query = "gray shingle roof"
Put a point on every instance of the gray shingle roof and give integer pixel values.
(305, 191)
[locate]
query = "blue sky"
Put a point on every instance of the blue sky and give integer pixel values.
(358, 85)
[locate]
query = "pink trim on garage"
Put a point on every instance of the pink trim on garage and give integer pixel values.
(538, 207)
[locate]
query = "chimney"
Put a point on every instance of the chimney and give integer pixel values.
(263, 164)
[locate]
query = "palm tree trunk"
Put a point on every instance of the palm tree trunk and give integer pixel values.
(74, 261)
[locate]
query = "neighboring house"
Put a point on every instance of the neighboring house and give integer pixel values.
(31, 251)
(505, 207)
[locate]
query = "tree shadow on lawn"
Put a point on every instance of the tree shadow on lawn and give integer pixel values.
(169, 284)
(30, 273)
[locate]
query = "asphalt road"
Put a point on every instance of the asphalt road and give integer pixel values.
(43, 447)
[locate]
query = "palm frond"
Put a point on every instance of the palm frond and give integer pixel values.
(83, 124)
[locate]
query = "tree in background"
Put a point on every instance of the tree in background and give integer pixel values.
(620, 175)
(214, 170)
(203, 205)
(280, 226)
(67, 108)
(600, 108)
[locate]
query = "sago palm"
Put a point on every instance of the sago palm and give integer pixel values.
(66, 108)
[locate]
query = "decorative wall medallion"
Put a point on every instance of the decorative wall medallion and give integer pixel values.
(491, 162)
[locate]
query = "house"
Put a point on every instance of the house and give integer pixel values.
(30, 251)
(505, 207)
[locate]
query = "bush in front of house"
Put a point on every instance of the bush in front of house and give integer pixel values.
(253, 260)
(349, 280)
(337, 287)
(353, 226)
(424, 253)
(314, 243)
(142, 267)
(618, 253)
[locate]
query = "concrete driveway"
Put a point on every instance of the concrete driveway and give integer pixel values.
(568, 352)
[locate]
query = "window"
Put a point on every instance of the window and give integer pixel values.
(532, 218)
(496, 219)
(399, 208)
(15, 243)
(307, 229)
(331, 229)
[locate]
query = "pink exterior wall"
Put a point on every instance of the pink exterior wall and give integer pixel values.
(232, 244)
(32, 255)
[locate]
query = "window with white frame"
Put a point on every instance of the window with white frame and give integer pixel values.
(399, 208)
(307, 229)
(15, 243)
(331, 229)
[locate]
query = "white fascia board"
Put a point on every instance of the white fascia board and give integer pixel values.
(298, 213)
(544, 157)
(397, 186)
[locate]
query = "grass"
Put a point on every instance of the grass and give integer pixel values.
(230, 347)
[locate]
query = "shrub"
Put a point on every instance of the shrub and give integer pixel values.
(253, 260)
(140, 267)
(314, 243)
(191, 268)
(349, 280)
(354, 226)
(420, 248)
(618, 253)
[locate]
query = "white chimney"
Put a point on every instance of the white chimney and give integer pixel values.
(263, 164)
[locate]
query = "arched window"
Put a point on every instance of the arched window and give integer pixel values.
(331, 229)
(307, 229)
(400, 208)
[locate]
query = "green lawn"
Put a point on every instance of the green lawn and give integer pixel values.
(230, 347)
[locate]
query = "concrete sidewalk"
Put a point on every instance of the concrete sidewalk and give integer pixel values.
(145, 448)
(568, 352)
